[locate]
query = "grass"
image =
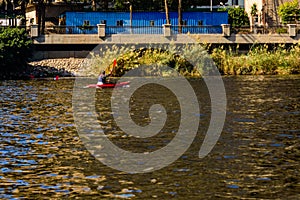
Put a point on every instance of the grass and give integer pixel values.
(258, 61)
(194, 61)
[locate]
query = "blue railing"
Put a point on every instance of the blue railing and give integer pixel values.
(109, 30)
(197, 29)
(133, 30)
(81, 29)
(159, 30)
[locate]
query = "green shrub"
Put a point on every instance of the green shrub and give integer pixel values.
(259, 60)
(281, 30)
(238, 17)
(15, 49)
(289, 11)
(164, 55)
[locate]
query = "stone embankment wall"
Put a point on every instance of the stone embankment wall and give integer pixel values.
(53, 67)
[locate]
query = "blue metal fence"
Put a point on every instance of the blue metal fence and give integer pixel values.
(133, 30)
(109, 30)
(197, 29)
(144, 22)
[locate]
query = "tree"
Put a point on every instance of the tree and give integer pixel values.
(15, 49)
(289, 11)
(253, 14)
(254, 10)
(238, 17)
(159, 5)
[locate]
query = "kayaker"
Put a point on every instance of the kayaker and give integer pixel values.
(102, 78)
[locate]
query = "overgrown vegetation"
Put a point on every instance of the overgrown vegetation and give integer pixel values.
(259, 60)
(189, 61)
(15, 50)
(238, 17)
(194, 60)
(146, 57)
(289, 12)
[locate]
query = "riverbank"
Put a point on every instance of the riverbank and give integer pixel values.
(258, 61)
(51, 67)
(62, 67)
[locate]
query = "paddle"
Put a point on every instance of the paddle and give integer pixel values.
(114, 65)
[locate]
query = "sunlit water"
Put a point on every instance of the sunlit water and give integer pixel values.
(257, 155)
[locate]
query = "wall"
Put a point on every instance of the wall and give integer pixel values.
(246, 40)
(156, 39)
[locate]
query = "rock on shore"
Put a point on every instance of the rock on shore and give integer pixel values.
(52, 67)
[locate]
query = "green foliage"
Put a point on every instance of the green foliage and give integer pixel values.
(158, 57)
(238, 17)
(147, 57)
(259, 60)
(289, 11)
(158, 5)
(254, 9)
(281, 30)
(15, 49)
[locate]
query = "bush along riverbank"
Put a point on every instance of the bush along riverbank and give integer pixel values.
(15, 49)
(260, 60)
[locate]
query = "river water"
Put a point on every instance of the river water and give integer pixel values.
(257, 154)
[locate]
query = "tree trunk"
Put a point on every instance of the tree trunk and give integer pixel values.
(23, 11)
(39, 15)
(43, 18)
(179, 17)
(94, 7)
(105, 5)
(167, 12)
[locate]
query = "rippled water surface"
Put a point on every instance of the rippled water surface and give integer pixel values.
(257, 155)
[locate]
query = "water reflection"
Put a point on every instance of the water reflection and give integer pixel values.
(257, 155)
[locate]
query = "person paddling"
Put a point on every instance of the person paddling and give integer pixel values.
(102, 76)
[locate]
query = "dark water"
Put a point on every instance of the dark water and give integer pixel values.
(257, 155)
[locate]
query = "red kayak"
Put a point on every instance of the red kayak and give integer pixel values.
(108, 85)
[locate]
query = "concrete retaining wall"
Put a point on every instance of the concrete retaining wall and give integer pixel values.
(64, 39)
(181, 38)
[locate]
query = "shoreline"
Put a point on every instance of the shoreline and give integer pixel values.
(64, 67)
(46, 68)
(69, 67)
